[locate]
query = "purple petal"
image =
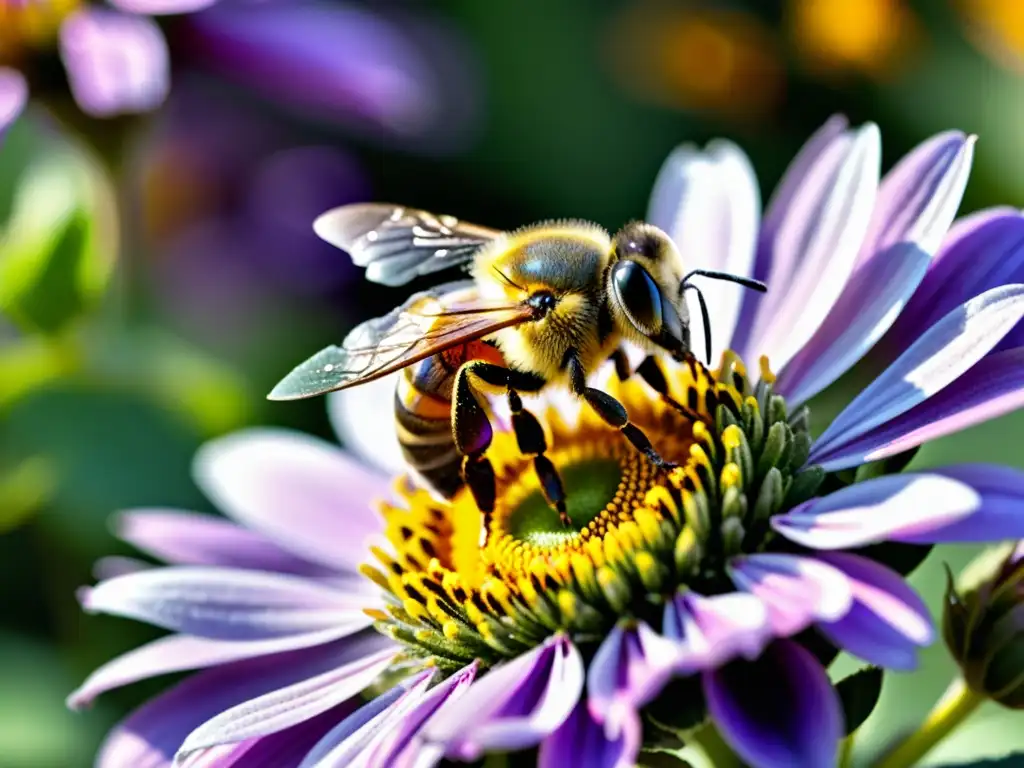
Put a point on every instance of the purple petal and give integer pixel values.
(916, 204)
(13, 95)
(352, 736)
(939, 357)
(284, 749)
(404, 745)
(779, 711)
(303, 493)
(356, 415)
(161, 7)
(888, 621)
(796, 591)
(116, 63)
(515, 705)
(357, 665)
(151, 735)
(993, 387)
(1000, 515)
(343, 63)
(708, 202)
(628, 670)
(229, 604)
(192, 539)
(982, 251)
(178, 653)
(582, 740)
(896, 507)
(821, 232)
(714, 630)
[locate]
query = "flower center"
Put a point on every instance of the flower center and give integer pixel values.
(30, 24)
(459, 587)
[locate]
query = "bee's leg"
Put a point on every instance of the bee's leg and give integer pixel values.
(472, 432)
(529, 433)
(654, 377)
(622, 367)
(613, 413)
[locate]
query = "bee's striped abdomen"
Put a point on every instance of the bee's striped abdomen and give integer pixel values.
(423, 414)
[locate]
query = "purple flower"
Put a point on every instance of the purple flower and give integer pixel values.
(408, 83)
(718, 573)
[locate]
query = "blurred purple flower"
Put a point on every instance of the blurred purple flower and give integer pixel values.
(406, 81)
(13, 93)
(563, 644)
(226, 202)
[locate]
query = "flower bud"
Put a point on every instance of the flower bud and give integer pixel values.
(983, 624)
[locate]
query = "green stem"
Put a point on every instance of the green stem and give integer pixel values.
(955, 706)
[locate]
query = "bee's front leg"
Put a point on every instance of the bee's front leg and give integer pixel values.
(613, 413)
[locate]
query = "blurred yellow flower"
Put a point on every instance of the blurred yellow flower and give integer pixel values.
(874, 37)
(997, 28)
(30, 24)
(703, 59)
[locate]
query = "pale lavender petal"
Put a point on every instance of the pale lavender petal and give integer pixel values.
(229, 604)
(708, 203)
(187, 538)
(916, 204)
(116, 63)
(888, 622)
(356, 415)
(515, 705)
(150, 736)
(796, 591)
(13, 95)
(892, 507)
(403, 745)
(161, 7)
(981, 251)
(1000, 515)
(178, 653)
(413, 83)
(628, 670)
(284, 749)
(582, 740)
(305, 494)
(939, 357)
(779, 711)
(358, 664)
(714, 630)
(821, 233)
(351, 736)
(992, 387)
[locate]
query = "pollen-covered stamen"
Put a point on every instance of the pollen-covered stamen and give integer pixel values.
(457, 592)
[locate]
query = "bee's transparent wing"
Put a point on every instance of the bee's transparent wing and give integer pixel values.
(428, 323)
(397, 244)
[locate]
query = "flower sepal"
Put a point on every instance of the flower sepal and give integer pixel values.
(983, 624)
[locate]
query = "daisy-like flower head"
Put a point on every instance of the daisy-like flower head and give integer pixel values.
(720, 588)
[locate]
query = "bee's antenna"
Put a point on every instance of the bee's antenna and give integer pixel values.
(686, 285)
(704, 315)
(746, 282)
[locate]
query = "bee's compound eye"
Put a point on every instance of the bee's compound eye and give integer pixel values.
(638, 296)
(542, 302)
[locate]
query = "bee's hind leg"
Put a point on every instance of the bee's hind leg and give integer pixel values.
(529, 433)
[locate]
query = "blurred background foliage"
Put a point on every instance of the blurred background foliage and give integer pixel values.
(158, 273)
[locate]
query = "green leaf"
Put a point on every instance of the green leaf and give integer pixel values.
(23, 490)
(58, 239)
(1015, 760)
(859, 693)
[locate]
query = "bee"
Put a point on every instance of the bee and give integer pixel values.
(545, 305)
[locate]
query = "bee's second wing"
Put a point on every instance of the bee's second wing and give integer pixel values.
(397, 244)
(428, 323)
